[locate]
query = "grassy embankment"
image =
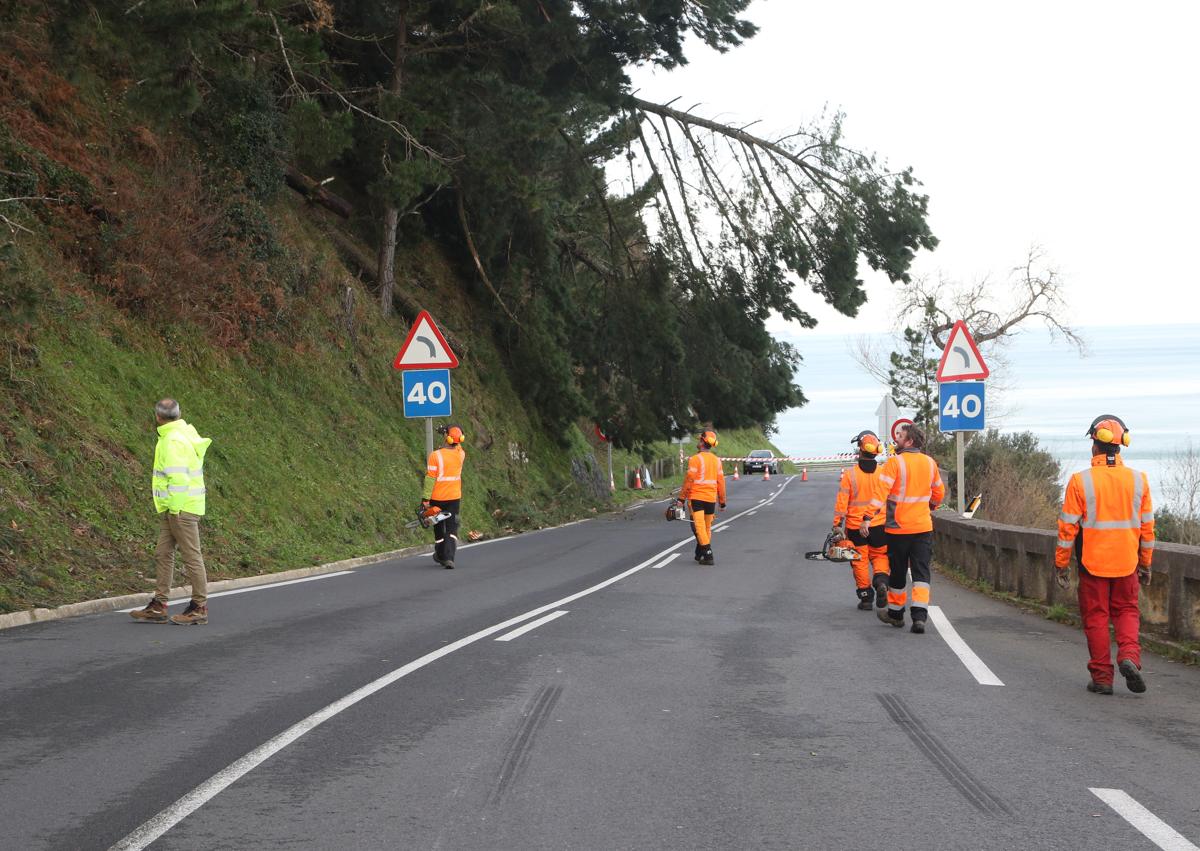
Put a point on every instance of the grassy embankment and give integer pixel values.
(311, 459)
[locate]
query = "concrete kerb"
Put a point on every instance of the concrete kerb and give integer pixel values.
(112, 604)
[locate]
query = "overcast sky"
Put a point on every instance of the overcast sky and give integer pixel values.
(1071, 125)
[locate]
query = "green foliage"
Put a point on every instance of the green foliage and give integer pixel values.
(1176, 528)
(1019, 480)
(318, 137)
(912, 377)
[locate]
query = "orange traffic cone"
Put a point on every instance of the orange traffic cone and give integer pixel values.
(766, 474)
(804, 475)
(637, 481)
(735, 474)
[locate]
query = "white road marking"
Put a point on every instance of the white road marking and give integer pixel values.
(1147, 823)
(266, 586)
(751, 513)
(665, 561)
(722, 527)
(521, 630)
(159, 824)
(981, 672)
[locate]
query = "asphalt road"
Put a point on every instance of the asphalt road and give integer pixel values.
(747, 705)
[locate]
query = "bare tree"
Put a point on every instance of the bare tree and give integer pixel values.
(1181, 489)
(993, 311)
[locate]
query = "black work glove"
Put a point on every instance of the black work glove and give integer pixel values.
(1144, 575)
(1062, 576)
(722, 506)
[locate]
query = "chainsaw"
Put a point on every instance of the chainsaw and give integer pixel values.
(675, 511)
(427, 517)
(836, 548)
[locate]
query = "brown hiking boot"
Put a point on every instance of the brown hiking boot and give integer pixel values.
(155, 612)
(193, 614)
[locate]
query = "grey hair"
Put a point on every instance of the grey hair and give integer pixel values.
(167, 409)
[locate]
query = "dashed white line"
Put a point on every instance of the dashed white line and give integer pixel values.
(266, 586)
(665, 561)
(1146, 822)
(981, 672)
(159, 824)
(521, 630)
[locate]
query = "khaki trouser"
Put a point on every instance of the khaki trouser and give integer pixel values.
(180, 530)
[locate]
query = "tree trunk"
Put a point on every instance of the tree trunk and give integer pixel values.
(317, 194)
(391, 215)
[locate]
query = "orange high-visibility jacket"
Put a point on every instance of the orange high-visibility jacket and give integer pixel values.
(911, 487)
(705, 480)
(855, 493)
(445, 468)
(1112, 506)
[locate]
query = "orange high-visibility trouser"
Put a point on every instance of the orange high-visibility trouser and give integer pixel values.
(871, 560)
(703, 523)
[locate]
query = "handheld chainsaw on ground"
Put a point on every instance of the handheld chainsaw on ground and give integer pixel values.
(675, 511)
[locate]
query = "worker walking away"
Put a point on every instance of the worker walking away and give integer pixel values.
(909, 488)
(443, 493)
(704, 488)
(1111, 504)
(178, 489)
(855, 492)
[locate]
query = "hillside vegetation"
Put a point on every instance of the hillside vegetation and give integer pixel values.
(150, 246)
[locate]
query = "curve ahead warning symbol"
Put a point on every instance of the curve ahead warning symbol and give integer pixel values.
(425, 347)
(961, 360)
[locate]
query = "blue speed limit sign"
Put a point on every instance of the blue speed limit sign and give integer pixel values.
(426, 393)
(961, 405)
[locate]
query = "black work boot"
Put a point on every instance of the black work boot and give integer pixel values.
(1133, 676)
(881, 589)
(865, 596)
(1099, 688)
(707, 558)
(918, 627)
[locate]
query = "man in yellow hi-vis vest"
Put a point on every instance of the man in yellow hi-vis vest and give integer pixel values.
(178, 484)
(443, 490)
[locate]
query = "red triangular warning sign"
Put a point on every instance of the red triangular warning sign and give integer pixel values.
(425, 347)
(961, 360)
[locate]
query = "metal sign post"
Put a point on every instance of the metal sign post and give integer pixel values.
(961, 396)
(426, 359)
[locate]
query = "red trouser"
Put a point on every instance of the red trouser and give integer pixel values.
(1102, 599)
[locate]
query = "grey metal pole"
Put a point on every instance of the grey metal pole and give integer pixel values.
(428, 435)
(958, 452)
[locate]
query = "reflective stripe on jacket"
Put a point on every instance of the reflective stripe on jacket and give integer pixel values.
(705, 479)
(444, 468)
(855, 493)
(910, 486)
(1112, 505)
(178, 478)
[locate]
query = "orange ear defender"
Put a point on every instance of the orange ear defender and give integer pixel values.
(868, 442)
(708, 438)
(453, 434)
(1109, 428)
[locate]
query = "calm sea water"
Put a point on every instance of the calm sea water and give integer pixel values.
(1147, 375)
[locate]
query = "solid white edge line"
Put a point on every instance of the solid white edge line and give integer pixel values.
(521, 630)
(264, 587)
(1146, 822)
(159, 824)
(981, 672)
(665, 561)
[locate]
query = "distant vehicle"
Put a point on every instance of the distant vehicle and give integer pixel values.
(760, 460)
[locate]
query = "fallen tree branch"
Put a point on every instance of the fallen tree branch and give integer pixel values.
(317, 194)
(462, 220)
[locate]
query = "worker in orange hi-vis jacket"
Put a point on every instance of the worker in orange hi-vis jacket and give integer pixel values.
(855, 492)
(704, 487)
(1111, 504)
(908, 490)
